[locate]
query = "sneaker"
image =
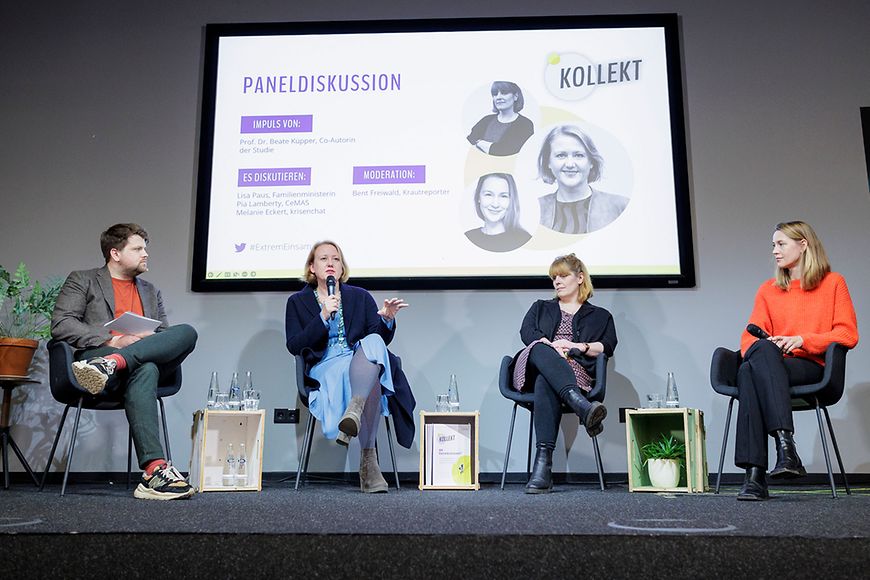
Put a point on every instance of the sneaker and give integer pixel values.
(93, 374)
(165, 483)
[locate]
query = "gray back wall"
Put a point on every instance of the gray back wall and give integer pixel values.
(99, 108)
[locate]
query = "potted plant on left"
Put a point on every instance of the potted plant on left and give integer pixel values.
(25, 313)
(664, 461)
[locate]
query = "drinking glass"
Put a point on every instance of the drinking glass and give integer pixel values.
(222, 401)
(442, 403)
(654, 401)
(251, 401)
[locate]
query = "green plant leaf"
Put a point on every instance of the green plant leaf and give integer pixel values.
(25, 306)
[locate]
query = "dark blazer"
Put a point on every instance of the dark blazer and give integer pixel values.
(590, 324)
(87, 301)
(308, 336)
(603, 209)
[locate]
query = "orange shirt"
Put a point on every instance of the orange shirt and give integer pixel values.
(126, 297)
(820, 316)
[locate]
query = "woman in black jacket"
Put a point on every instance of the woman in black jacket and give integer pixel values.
(562, 337)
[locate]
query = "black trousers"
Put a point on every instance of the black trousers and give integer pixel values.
(765, 404)
(554, 376)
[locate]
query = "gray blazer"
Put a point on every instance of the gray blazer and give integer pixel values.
(603, 209)
(87, 301)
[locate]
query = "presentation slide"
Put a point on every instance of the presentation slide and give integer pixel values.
(443, 158)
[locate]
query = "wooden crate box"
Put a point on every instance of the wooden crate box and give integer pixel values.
(212, 431)
(643, 426)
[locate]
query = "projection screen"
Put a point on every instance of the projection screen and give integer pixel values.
(444, 153)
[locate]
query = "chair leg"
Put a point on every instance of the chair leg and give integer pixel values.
(392, 452)
(724, 444)
(129, 454)
(53, 448)
(825, 449)
(837, 450)
(165, 430)
(598, 462)
(303, 455)
(507, 451)
(531, 432)
(72, 447)
(308, 449)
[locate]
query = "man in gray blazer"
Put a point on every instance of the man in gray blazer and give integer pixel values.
(131, 363)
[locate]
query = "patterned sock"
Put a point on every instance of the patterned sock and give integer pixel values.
(154, 465)
(120, 363)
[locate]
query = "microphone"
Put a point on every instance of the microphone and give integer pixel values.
(757, 331)
(330, 290)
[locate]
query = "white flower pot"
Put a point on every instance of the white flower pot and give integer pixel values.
(664, 472)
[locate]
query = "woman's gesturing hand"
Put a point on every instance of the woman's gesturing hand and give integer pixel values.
(391, 307)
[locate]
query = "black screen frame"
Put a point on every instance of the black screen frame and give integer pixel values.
(668, 22)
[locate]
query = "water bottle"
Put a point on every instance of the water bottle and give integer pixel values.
(213, 390)
(242, 470)
(230, 467)
(672, 398)
(247, 392)
(235, 393)
(453, 394)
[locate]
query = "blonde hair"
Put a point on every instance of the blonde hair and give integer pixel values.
(571, 264)
(813, 261)
(308, 276)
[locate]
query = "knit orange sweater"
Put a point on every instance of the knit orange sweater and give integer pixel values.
(819, 316)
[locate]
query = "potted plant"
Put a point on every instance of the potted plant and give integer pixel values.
(25, 313)
(664, 459)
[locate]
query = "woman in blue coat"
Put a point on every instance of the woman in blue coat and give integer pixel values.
(343, 337)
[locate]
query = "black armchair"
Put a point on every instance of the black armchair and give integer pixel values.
(305, 453)
(66, 390)
(527, 401)
(818, 396)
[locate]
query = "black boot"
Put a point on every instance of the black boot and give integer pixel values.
(788, 464)
(591, 414)
(541, 480)
(754, 485)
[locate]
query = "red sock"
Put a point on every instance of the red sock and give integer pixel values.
(152, 465)
(120, 363)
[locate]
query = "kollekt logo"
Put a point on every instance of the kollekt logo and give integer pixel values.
(573, 77)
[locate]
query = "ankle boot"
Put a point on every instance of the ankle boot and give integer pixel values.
(788, 464)
(349, 423)
(371, 480)
(591, 414)
(541, 480)
(754, 485)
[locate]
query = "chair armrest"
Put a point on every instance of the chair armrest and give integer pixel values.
(723, 371)
(61, 378)
(599, 387)
(505, 381)
(830, 388)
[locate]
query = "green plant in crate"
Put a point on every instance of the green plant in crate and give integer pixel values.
(25, 306)
(664, 448)
(664, 460)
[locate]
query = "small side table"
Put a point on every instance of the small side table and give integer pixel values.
(212, 431)
(449, 454)
(686, 426)
(8, 382)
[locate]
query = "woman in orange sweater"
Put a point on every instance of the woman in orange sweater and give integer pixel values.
(804, 308)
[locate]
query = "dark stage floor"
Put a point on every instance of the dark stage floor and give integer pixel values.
(326, 528)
